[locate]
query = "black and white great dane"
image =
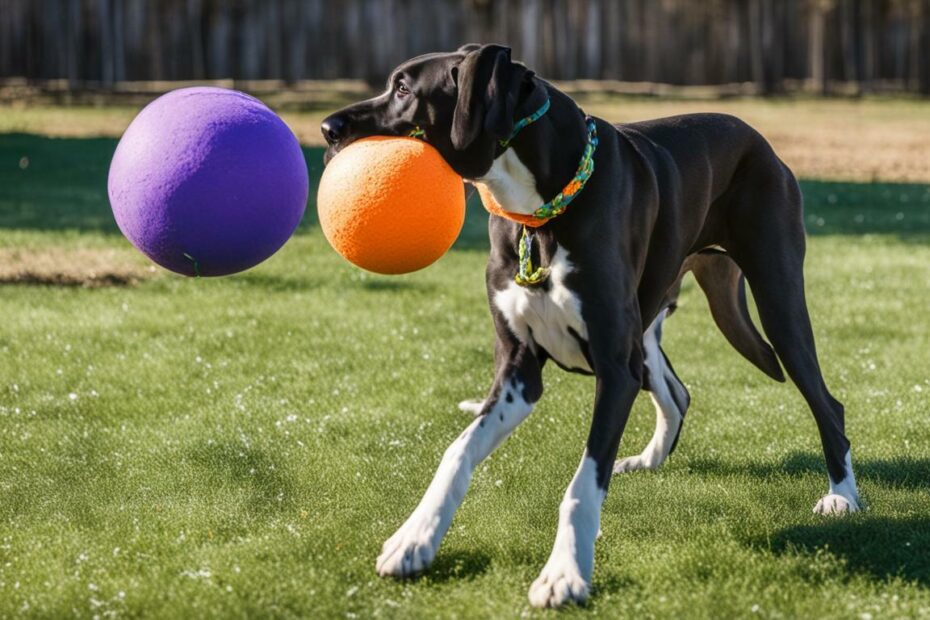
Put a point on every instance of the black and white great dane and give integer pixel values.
(701, 192)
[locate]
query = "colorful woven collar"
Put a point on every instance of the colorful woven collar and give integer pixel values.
(560, 202)
(523, 122)
(527, 275)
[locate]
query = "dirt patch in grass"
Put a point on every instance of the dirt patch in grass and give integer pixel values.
(86, 268)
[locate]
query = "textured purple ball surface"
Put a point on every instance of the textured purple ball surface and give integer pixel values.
(208, 181)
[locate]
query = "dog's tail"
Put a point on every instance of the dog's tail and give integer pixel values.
(725, 287)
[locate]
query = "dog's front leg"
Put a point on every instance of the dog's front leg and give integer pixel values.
(517, 387)
(566, 577)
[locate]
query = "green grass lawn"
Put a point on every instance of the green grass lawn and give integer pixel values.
(241, 447)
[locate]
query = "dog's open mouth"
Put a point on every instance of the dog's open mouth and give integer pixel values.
(334, 149)
(331, 152)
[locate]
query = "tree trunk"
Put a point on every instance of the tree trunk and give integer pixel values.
(592, 40)
(530, 25)
(194, 17)
(914, 23)
(924, 54)
(816, 47)
(153, 35)
(756, 49)
(119, 42)
(848, 25)
(74, 47)
(868, 22)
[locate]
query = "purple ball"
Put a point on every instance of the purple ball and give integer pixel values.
(208, 181)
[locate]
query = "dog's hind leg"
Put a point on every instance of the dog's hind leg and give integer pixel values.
(722, 282)
(773, 263)
(517, 387)
(670, 398)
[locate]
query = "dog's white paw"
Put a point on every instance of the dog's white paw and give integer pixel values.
(635, 463)
(559, 583)
(473, 407)
(410, 550)
(833, 504)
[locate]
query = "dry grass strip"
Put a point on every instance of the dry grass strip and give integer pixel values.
(83, 267)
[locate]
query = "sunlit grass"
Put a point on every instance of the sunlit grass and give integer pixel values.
(241, 447)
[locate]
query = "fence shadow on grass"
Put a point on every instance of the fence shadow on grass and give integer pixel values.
(50, 184)
(844, 208)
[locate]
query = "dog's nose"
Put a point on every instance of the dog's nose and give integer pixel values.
(334, 128)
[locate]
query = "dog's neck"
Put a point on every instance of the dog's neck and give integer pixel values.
(512, 184)
(541, 159)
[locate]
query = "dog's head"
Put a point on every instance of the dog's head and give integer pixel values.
(464, 101)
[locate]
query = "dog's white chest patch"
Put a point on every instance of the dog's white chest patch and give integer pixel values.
(549, 318)
(511, 183)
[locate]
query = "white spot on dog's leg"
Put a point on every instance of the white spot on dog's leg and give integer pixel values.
(668, 415)
(567, 575)
(843, 496)
(473, 407)
(412, 548)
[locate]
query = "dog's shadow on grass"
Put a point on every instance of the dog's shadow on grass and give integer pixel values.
(387, 283)
(256, 472)
(277, 283)
(456, 565)
(297, 283)
(898, 472)
(880, 546)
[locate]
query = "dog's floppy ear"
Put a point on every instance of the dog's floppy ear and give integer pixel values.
(488, 88)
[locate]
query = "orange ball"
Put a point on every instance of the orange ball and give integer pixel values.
(390, 205)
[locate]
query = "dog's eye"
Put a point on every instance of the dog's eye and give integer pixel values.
(402, 90)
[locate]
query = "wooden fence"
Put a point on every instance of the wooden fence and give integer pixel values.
(872, 44)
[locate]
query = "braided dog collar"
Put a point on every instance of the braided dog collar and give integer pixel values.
(523, 122)
(527, 275)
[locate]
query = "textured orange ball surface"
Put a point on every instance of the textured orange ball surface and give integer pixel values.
(390, 205)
